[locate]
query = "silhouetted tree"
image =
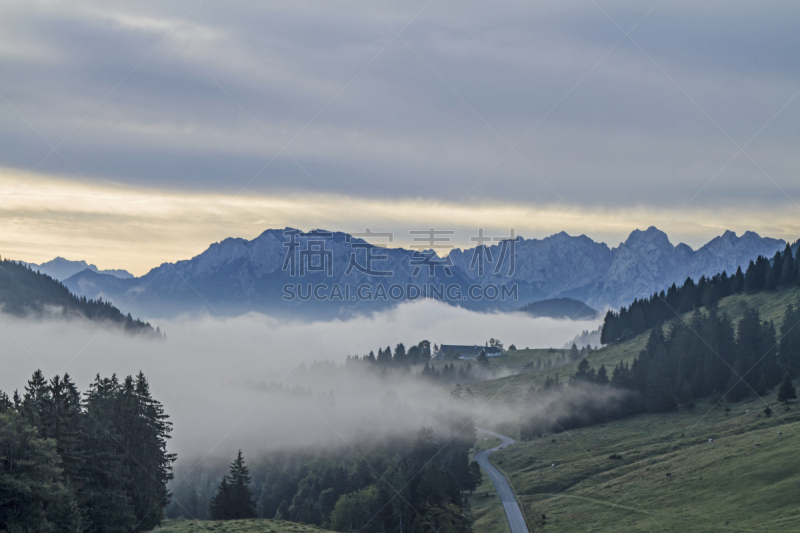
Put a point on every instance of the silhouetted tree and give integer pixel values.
(786, 391)
(234, 499)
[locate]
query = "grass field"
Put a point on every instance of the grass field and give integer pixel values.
(771, 305)
(510, 362)
(235, 526)
(729, 484)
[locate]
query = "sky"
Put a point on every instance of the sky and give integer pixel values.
(137, 132)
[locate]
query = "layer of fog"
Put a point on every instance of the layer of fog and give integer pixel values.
(221, 380)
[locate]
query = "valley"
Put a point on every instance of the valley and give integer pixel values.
(399, 267)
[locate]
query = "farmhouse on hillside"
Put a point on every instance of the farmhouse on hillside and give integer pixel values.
(453, 351)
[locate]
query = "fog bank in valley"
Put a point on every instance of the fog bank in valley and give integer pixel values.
(221, 380)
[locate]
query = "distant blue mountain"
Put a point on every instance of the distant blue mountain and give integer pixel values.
(61, 269)
(560, 308)
(237, 276)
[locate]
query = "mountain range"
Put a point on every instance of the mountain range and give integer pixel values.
(61, 269)
(237, 276)
(589, 271)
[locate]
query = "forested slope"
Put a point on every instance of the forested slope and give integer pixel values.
(25, 292)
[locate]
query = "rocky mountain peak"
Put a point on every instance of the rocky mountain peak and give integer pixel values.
(651, 236)
(245, 275)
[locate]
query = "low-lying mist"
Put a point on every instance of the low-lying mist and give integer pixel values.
(221, 380)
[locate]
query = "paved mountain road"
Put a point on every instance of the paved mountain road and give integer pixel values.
(504, 490)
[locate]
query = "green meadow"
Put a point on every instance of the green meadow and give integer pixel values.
(613, 477)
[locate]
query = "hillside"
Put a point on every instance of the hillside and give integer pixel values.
(560, 308)
(770, 305)
(236, 526)
(729, 484)
(24, 292)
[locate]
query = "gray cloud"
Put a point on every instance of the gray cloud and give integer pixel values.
(625, 135)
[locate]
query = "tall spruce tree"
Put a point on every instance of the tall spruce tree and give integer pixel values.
(33, 497)
(602, 376)
(234, 499)
(787, 391)
(789, 347)
(220, 505)
(787, 267)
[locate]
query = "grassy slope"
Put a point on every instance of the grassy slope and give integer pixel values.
(519, 358)
(236, 526)
(727, 485)
(770, 304)
(514, 360)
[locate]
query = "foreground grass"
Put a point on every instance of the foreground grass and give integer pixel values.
(236, 526)
(729, 484)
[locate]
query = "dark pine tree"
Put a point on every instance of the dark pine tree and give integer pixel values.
(220, 505)
(787, 267)
(582, 373)
(787, 391)
(400, 354)
(770, 281)
(234, 499)
(789, 348)
(602, 376)
(737, 281)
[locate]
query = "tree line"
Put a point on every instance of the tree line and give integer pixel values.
(401, 359)
(418, 353)
(97, 463)
(448, 374)
(763, 274)
(707, 356)
(561, 358)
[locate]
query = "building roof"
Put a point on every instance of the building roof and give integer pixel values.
(475, 349)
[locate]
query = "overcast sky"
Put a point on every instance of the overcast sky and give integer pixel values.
(178, 124)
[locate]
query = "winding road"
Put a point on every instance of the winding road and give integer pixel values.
(504, 490)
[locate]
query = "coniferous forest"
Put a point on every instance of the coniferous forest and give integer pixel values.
(95, 462)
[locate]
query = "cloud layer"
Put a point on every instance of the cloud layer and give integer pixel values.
(216, 379)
